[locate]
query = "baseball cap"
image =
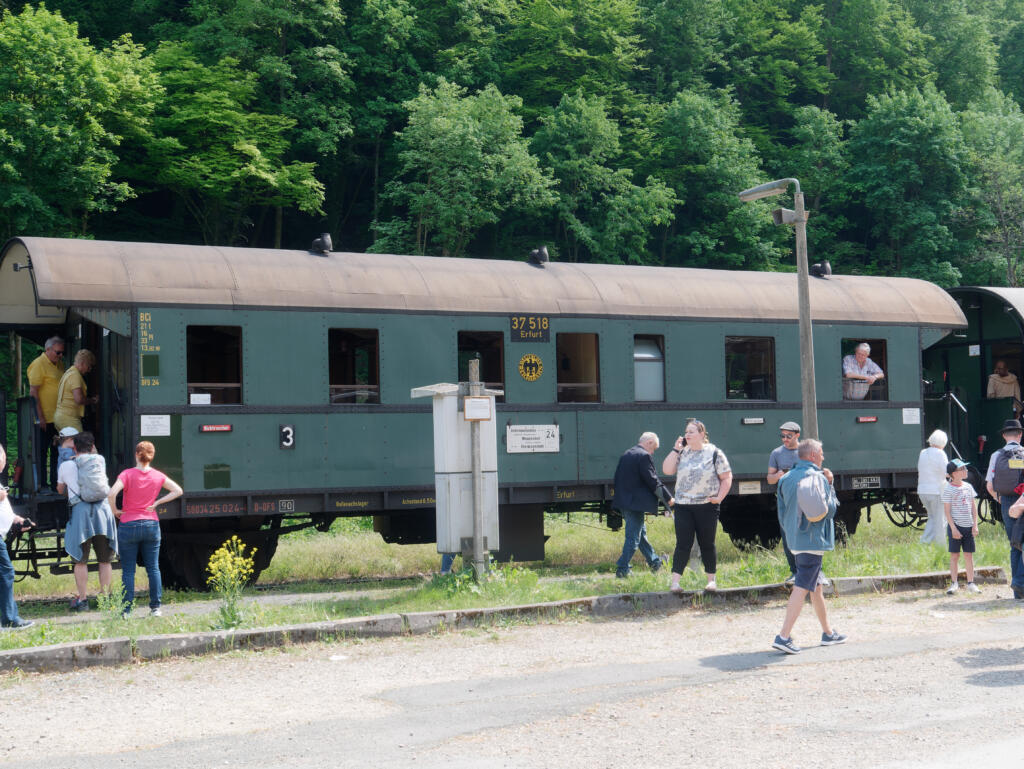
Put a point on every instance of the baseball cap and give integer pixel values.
(68, 432)
(793, 427)
(955, 464)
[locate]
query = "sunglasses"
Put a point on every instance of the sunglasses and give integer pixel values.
(59, 353)
(787, 435)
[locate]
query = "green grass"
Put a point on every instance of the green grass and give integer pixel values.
(580, 560)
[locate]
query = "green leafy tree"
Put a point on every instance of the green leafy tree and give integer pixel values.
(602, 215)
(993, 128)
(464, 164)
(816, 156)
(870, 45)
(774, 63)
(706, 160)
(559, 47)
(907, 166)
(64, 109)
(959, 46)
(216, 154)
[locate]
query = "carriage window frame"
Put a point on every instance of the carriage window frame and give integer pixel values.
(649, 368)
(578, 367)
(492, 361)
(753, 382)
(879, 390)
(346, 369)
(214, 365)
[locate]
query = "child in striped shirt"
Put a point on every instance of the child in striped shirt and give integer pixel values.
(961, 508)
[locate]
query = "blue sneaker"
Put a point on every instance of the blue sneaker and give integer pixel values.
(786, 645)
(832, 640)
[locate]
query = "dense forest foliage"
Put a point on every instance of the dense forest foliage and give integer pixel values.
(610, 130)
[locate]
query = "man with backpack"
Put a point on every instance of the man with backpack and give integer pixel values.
(1005, 473)
(91, 524)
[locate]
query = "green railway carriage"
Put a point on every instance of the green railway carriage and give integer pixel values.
(957, 371)
(276, 384)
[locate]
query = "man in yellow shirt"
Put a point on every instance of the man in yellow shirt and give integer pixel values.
(44, 375)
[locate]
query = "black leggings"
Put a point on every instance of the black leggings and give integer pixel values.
(701, 520)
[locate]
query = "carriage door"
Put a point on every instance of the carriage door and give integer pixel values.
(108, 335)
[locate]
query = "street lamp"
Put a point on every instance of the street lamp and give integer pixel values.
(798, 218)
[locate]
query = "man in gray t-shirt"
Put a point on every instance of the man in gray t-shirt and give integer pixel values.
(780, 461)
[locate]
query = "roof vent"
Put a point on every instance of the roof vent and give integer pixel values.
(539, 256)
(322, 246)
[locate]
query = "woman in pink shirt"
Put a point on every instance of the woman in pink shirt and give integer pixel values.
(139, 524)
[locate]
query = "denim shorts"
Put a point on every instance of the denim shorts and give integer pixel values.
(808, 567)
(965, 544)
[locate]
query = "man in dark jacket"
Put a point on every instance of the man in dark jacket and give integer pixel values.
(637, 489)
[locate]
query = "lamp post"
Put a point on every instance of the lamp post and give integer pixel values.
(798, 218)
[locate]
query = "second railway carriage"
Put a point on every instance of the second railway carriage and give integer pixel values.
(276, 384)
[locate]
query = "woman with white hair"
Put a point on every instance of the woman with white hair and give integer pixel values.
(931, 477)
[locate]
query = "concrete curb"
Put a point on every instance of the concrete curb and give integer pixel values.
(116, 651)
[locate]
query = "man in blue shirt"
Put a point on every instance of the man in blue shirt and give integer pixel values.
(637, 490)
(807, 506)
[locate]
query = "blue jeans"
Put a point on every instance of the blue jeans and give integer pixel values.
(134, 538)
(636, 536)
(447, 559)
(8, 608)
(1016, 564)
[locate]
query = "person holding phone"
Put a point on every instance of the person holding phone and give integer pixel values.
(703, 479)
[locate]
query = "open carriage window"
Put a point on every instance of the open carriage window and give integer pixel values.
(214, 363)
(354, 365)
(865, 362)
(489, 347)
(579, 372)
(750, 368)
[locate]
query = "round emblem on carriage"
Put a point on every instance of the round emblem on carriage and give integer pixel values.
(530, 367)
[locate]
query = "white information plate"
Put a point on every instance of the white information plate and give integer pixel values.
(749, 487)
(531, 439)
(155, 424)
(476, 408)
(199, 399)
(911, 416)
(973, 350)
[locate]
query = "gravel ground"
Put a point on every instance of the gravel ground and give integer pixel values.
(924, 678)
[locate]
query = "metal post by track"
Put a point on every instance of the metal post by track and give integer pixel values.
(476, 387)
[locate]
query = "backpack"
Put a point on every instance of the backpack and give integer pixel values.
(1008, 471)
(92, 477)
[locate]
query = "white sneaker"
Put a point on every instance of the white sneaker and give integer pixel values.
(711, 586)
(156, 612)
(823, 580)
(972, 588)
(952, 589)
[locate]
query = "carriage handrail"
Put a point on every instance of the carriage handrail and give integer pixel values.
(956, 400)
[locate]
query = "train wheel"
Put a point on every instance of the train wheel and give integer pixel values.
(185, 552)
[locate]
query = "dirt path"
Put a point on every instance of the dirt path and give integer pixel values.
(924, 678)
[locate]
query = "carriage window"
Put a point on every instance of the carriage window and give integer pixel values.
(858, 363)
(354, 365)
(648, 368)
(214, 364)
(750, 368)
(579, 379)
(489, 347)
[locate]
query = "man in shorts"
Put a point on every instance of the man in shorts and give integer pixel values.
(807, 506)
(91, 525)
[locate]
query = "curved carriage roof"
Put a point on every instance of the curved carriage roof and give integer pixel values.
(1011, 297)
(82, 273)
